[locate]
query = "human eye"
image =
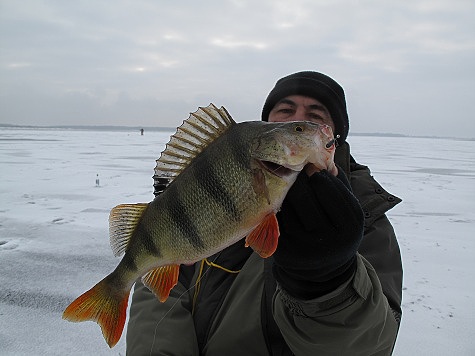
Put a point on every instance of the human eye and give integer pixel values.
(314, 116)
(285, 110)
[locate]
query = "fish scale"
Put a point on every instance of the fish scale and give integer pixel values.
(205, 185)
(228, 181)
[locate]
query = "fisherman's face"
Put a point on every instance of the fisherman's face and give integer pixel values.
(301, 108)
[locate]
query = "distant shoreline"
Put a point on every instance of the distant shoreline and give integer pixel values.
(168, 129)
(88, 127)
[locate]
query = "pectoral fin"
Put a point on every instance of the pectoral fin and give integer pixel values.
(259, 184)
(263, 239)
(161, 280)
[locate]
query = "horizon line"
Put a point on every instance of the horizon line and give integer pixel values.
(170, 128)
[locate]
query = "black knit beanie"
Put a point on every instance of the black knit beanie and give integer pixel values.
(314, 85)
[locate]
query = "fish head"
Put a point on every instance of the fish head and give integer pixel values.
(285, 148)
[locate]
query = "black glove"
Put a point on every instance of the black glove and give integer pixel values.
(321, 227)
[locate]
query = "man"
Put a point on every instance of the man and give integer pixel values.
(334, 284)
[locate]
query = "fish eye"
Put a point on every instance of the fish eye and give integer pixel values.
(298, 128)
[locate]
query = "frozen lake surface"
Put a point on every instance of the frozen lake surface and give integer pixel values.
(54, 232)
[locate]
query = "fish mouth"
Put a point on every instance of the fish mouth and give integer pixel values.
(277, 169)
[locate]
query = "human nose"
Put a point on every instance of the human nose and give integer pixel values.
(298, 115)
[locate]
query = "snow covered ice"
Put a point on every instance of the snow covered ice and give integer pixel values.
(54, 232)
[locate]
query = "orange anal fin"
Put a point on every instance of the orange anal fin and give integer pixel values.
(103, 305)
(263, 239)
(161, 280)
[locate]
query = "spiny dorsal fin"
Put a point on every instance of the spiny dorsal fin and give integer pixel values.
(200, 129)
(122, 222)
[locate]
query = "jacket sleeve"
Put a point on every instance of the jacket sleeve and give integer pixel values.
(354, 319)
(156, 328)
(361, 317)
(379, 246)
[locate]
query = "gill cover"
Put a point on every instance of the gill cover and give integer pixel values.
(287, 144)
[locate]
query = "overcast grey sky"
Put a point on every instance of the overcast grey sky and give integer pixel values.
(407, 66)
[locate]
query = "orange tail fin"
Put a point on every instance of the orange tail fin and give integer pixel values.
(103, 305)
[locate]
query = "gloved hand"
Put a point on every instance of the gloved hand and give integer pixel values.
(321, 227)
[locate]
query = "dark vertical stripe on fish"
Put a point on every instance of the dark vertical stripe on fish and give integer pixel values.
(146, 239)
(181, 219)
(237, 147)
(207, 179)
(128, 261)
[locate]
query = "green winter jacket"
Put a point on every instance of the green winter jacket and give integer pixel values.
(230, 313)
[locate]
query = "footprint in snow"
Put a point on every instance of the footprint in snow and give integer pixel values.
(8, 245)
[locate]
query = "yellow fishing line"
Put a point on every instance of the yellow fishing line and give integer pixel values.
(195, 295)
(198, 281)
(212, 264)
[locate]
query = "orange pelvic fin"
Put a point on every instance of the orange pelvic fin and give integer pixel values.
(161, 280)
(263, 239)
(103, 305)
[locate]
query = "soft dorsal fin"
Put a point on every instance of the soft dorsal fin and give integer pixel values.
(200, 129)
(123, 220)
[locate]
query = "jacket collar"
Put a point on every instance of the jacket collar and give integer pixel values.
(342, 157)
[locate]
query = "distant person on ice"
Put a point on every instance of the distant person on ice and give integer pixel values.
(334, 285)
